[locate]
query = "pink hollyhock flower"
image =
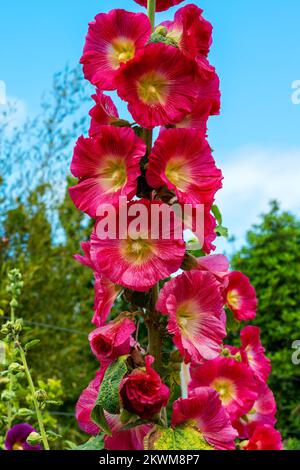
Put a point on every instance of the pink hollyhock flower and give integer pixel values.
(16, 438)
(190, 31)
(183, 162)
(194, 305)
(263, 412)
(204, 409)
(113, 340)
(160, 85)
(103, 113)
(139, 261)
(106, 293)
(107, 168)
(161, 5)
(233, 381)
(113, 39)
(125, 439)
(265, 437)
(86, 404)
(143, 393)
(255, 353)
(241, 297)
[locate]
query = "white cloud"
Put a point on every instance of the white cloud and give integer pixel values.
(252, 177)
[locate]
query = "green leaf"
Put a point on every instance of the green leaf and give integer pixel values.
(179, 438)
(95, 443)
(216, 212)
(109, 396)
(32, 344)
(98, 417)
(221, 231)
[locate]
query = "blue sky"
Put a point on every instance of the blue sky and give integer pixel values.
(255, 51)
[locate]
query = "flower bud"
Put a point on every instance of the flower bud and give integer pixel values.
(34, 438)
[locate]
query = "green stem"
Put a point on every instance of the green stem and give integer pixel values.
(155, 333)
(151, 12)
(11, 378)
(36, 405)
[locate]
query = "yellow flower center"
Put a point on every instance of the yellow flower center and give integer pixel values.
(178, 173)
(17, 446)
(152, 88)
(137, 251)
(187, 318)
(226, 389)
(112, 174)
(233, 299)
(121, 50)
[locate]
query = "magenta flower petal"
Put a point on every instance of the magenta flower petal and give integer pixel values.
(194, 305)
(205, 409)
(16, 438)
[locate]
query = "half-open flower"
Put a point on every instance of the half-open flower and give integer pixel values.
(233, 381)
(254, 351)
(16, 438)
(138, 259)
(103, 113)
(194, 305)
(113, 340)
(143, 393)
(107, 168)
(190, 31)
(113, 39)
(204, 411)
(240, 296)
(160, 85)
(182, 160)
(265, 437)
(161, 5)
(106, 293)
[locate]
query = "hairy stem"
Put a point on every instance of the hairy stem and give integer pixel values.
(36, 404)
(151, 12)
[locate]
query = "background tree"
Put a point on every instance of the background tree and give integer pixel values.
(271, 258)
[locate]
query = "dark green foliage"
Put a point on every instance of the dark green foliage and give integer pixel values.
(271, 258)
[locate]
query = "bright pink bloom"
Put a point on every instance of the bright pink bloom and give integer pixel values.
(263, 412)
(107, 167)
(113, 340)
(139, 262)
(161, 5)
(265, 437)
(255, 353)
(241, 297)
(160, 84)
(233, 381)
(183, 161)
(190, 31)
(106, 293)
(86, 404)
(143, 393)
(113, 39)
(194, 305)
(204, 409)
(103, 113)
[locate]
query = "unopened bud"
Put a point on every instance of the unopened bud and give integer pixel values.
(34, 438)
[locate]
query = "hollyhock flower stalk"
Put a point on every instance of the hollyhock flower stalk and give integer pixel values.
(164, 75)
